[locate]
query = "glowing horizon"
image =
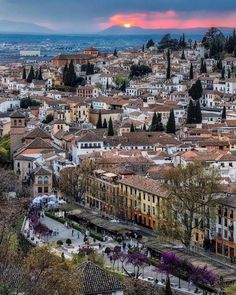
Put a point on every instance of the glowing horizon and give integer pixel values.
(171, 19)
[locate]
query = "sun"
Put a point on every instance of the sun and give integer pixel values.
(127, 25)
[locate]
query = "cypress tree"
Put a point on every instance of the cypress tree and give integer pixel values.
(154, 122)
(183, 41)
(24, 74)
(99, 122)
(143, 48)
(144, 127)
(36, 75)
(65, 73)
(115, 53)
(198, 113)
(229, 73)
(168, 287)
(223, 115)
(110, 128)
(30, 75)
(107, 85)
(204, 67)
(104, 125)
(132, 129)
(40, 76)
(123, 87)
(71, 75)
(223, 73)
(150, 43)
(170, 127)
(196, 90)
(219, 64)
(190, 113)
(201, 67)
(191, 72)
(168, 65)
(183, 55)
(159, 123)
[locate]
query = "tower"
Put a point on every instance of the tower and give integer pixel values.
(17, 131)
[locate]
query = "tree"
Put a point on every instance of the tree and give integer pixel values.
(223, 115)
(28, 102)
(168, 74)
(49, 118)
(104, 125)
(115, 53)
(144, 127)
(150, 43)
(24, 73)
(110, 128)
(154, 123)
(69, 75)
(196, 90)
(230, 290)
(40, 75)
(30, 75)
(198, 113)
(123, 87)
(170, 128)
(65, 72)
(223, 73)
(190, 113)
(191, 72)
(143, 48)
(99, 122)
(168, 42)
(132, 129)
(168, 288)
(192, 192)
(203, 68)
(159, 123)
(183, 55)
(139, 70)
(229, 73)
(214, 40)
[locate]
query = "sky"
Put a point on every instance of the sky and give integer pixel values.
(81, 16)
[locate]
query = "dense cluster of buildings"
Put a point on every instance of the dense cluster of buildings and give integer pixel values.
(130, 163)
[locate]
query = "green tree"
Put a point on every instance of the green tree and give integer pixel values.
(190, 113)
(196, 90)
(115, 53)
(223, 115)
(30, 75)
(144, 127)
(191, 71)
(143, 48)
(40, 75)
(168, 74)
(110, 128)
(132, 129)
(150, 43)
(139, 70)
(159, 123)
(183, 55)
(198, 113)
(71, 75)
(170, 127)
(49, 118)
(223, 73)
(24, 73)
(229, 73)
(104, 125)
(99, 122)
(154, 123)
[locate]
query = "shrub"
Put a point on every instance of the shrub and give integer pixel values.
(59, 243)
(68, 242)
(108, 250)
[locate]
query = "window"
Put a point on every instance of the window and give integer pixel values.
(219, 219)
(40, 189)
(226, 223)
(46, 189)
(153, 211)
(144, 207)
(40, 180)
(46, 179)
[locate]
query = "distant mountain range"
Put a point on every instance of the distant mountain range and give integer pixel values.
(21, 27)
(120, 30)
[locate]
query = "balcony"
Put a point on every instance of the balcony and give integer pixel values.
(231, 227)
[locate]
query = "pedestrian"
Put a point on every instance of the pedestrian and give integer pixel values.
(72, 232)
(78, 234)
(62, 256)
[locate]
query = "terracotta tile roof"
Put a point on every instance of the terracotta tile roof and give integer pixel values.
(37, 132)
(38, 143)
(95, 280)
(145, 184)
(17, 114)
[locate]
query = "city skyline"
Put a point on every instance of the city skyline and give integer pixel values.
(96, 15)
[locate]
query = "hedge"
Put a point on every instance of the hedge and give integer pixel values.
(53, 216)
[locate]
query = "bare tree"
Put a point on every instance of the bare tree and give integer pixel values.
(193, 191)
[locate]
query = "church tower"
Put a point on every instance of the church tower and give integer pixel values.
(17, 131)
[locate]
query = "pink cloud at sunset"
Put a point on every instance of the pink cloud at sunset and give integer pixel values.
(172, 19)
